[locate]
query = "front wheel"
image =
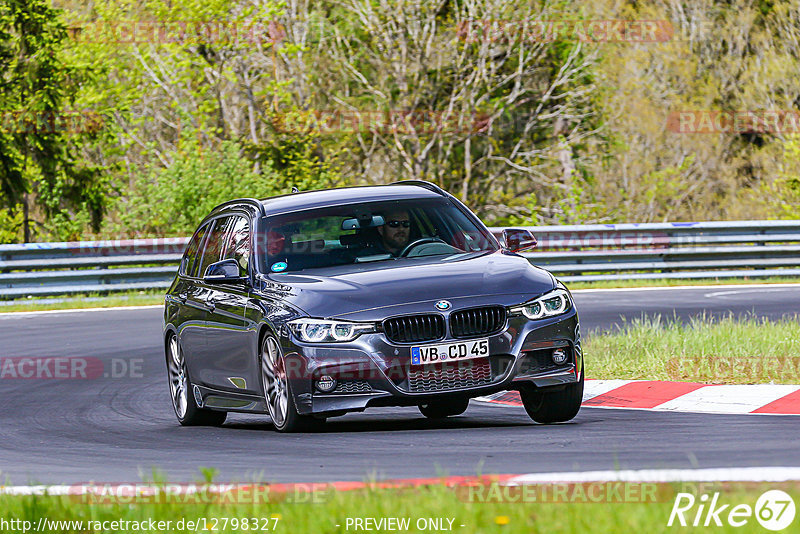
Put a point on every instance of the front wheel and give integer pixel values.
(440, 409)
(184, 404)
(554, 406)
(278, 393)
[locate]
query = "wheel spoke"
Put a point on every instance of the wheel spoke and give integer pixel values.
(273, 377)
(268, 364)
(180, 400)
(176, 353)
(283, 402)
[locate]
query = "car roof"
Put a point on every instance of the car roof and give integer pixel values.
(345, 195)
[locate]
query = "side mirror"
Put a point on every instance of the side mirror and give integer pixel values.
(224, 272)
(517, 240)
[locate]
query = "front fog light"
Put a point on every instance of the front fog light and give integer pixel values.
(326, 384)
(559, 356)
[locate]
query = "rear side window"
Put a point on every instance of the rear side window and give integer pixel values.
(191, 258)
(215, 244)
(237, 243)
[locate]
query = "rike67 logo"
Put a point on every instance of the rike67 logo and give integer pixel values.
(774, 510)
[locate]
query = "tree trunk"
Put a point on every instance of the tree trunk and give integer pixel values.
(26, 227)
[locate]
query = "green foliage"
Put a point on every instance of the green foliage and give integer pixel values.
(38, 153)
(11, 224)
(537, 131)
(172, 201)
(786, 188)
(297, 154)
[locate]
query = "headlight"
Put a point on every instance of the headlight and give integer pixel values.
(326, 331)
(555, 302)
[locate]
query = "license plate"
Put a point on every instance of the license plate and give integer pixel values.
(464, 350)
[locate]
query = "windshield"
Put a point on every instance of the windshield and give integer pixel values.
(369, 232)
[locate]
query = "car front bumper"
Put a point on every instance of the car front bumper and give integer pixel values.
(371, 371)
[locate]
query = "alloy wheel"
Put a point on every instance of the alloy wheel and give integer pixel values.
(178, 382)
(273, 375)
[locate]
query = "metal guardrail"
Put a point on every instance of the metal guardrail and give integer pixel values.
(696, 250)
(703, 250)
(40, 269)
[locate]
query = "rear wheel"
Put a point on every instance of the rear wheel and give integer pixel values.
(553, 406)
(445, 408)
(278, 393)
(180, 386)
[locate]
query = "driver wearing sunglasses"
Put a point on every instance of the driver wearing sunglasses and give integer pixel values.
(395, 232)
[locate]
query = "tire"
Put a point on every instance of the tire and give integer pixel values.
(444, 408)
(183, 403)
(278, 391)
(554, 406)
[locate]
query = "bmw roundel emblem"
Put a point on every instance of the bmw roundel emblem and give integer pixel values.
(442, 305)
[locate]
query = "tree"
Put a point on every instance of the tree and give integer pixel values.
(461, 93)
(39, 166)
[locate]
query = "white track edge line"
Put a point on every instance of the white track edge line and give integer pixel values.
(726, 474)
(483, 400)
(665, 288)
(79, 310)
(695, 412)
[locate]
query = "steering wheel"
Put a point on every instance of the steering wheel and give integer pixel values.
(418, 242)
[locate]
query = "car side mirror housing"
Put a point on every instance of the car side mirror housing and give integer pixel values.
(517, 239)
(224, 272)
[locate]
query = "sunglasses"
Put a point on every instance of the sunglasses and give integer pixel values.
(397, 224)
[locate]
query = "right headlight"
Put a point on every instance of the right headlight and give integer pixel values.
(312, 330)
(555, 302)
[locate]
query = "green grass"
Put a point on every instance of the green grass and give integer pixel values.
(721, 351)
(669, 282)
(86, 300)
(329, 514)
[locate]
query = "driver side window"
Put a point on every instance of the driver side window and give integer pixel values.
(237, 243)
(191, 258)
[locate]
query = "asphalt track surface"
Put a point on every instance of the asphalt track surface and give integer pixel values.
(120, 429)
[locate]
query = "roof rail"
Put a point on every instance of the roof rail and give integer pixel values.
(423, 183)
(252, 201)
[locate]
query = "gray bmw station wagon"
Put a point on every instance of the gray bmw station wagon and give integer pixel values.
(311, 305)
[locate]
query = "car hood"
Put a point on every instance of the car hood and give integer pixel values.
(372, 291)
